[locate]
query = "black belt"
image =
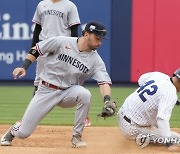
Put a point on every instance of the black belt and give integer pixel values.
(127, 119)
(51, 85)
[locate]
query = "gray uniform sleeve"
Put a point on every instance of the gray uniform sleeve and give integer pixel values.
(36, 17)
(73, 16)
(101, 75)
(49, 45)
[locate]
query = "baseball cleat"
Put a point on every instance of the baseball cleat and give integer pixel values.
(77, 142)
(7, 138)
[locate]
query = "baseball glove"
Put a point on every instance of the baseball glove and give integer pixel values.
(178, 103)
(109, 109)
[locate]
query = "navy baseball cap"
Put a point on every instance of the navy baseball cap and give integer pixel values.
(96, 28)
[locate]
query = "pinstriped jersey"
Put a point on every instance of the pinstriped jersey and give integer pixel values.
(155, 98)
(56, 18)
(65, 65)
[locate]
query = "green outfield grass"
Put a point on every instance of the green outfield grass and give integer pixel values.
(14, 100)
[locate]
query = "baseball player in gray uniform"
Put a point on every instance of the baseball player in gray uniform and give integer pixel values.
(70, 61)
(147, 111)
(53, 18)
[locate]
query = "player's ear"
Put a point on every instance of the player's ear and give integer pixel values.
(86, 33)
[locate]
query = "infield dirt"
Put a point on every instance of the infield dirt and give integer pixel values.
(57, 140)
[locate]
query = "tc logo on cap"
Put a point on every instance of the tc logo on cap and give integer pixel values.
(92, 27)
(97, 28)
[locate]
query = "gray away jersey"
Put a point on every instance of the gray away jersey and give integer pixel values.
(66, 66)
(155, 97)
(56, 18)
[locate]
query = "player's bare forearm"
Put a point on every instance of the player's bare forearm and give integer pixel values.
(174, 148)
(31, 57)
(109, 108)
(105, 90)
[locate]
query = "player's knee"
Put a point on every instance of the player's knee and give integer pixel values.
(85, 95)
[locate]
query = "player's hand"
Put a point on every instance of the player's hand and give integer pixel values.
(174, 148)
(21, 72)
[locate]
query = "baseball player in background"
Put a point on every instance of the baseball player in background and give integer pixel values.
(70, 62)
(54, 18)
(145, 113)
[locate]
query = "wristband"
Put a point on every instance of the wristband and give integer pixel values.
(34, 53)
(107, 98)
(26, 64)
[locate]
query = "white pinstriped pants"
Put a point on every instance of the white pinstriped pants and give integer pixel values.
(131, 130)
(45, 100)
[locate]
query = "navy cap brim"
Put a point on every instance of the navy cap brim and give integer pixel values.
(101, 33)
